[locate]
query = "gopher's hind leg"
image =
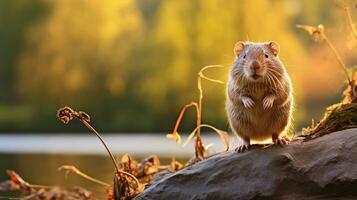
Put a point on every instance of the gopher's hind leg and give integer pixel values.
(283, 140)
(245, 146)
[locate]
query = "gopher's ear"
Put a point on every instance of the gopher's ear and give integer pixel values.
(238, 47)
(274, 48)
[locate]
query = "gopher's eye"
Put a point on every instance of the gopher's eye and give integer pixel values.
(244, 57)
(266, 55)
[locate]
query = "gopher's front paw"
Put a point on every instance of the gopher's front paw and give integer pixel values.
(268, 102)
(242, 148)
(284, 140)
(248, 102)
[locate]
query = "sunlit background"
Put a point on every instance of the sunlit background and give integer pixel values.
(132, 64)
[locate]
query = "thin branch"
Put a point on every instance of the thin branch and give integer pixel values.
(105, 145)
(110, 153)
(318, 34)
(339, 59)
(350, 22)
(199, 86)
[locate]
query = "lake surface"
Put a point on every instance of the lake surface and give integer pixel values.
(37, 157)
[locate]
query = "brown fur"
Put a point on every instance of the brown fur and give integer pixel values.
(257, 123)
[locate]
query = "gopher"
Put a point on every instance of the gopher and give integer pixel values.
(259, 94)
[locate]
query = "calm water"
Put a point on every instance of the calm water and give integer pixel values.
(37, 157)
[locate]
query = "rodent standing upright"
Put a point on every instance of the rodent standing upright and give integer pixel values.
(259, 94)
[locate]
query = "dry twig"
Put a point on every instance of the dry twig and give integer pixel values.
(200, 150)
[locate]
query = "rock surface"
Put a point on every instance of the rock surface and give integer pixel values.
(323, 168)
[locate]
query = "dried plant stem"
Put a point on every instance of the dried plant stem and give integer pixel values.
(198, 123)
(105, 145)
(181, 115)
(40, 186)
(221, 133)
(109, 152)
(66, 114)
(318, 34)
(199, 113)
(350, 22)
(71, 168)
(182, 112)
(338, 57)
(199, 146)
(199, 86)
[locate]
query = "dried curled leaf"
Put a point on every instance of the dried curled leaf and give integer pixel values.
(126, 187)
(148, 166)
(222, 134)
(129, 165)
(83, 116)
(175, 165)
(317, 33)
(200, 150)
(18, 181)
(65, 114)
(201, 75)
(175, 135)
(144, 170)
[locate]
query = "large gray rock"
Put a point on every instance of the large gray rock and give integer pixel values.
(323, 168)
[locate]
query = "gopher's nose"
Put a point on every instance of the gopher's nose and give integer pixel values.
(255, 65)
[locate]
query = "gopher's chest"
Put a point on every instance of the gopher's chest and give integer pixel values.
(261, 119)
